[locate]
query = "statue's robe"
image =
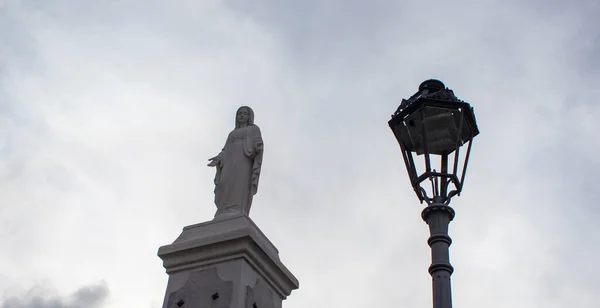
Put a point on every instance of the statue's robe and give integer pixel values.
(238, 171)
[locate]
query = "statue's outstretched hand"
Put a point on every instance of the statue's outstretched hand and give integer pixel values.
(214, 161)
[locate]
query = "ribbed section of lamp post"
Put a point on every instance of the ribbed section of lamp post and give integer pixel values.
(438, 217)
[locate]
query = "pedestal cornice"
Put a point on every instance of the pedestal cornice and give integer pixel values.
(237, 237)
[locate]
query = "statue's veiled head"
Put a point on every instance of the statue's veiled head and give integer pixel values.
(244, 115)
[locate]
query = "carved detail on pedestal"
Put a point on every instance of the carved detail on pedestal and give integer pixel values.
(260, 296)
(202, 289)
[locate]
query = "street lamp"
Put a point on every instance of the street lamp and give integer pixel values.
(431, 127)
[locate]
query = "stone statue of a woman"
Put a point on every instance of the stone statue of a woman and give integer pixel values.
(238, 165)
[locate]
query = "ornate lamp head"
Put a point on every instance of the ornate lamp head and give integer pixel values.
(431, 126)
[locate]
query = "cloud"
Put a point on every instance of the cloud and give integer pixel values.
(92, 296)
(109, 110)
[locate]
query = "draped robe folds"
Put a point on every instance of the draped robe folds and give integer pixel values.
(238, 170)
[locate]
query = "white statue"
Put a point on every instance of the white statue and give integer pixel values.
(238, 165)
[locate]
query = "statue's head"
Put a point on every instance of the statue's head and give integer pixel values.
(244, 115)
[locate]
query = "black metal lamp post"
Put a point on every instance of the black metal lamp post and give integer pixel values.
(432, 126)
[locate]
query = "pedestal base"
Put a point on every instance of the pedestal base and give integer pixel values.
(227, 263)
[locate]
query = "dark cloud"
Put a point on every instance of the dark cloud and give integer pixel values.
(86, 297)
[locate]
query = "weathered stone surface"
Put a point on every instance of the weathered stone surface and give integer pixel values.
(259, 296)
(203, 289)
(240, 253)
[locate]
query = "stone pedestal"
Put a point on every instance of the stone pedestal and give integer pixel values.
(225, 263)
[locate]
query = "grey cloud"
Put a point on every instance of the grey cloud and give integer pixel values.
(104, 97)
(92, 296)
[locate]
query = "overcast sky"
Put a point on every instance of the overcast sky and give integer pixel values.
(109, 111)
